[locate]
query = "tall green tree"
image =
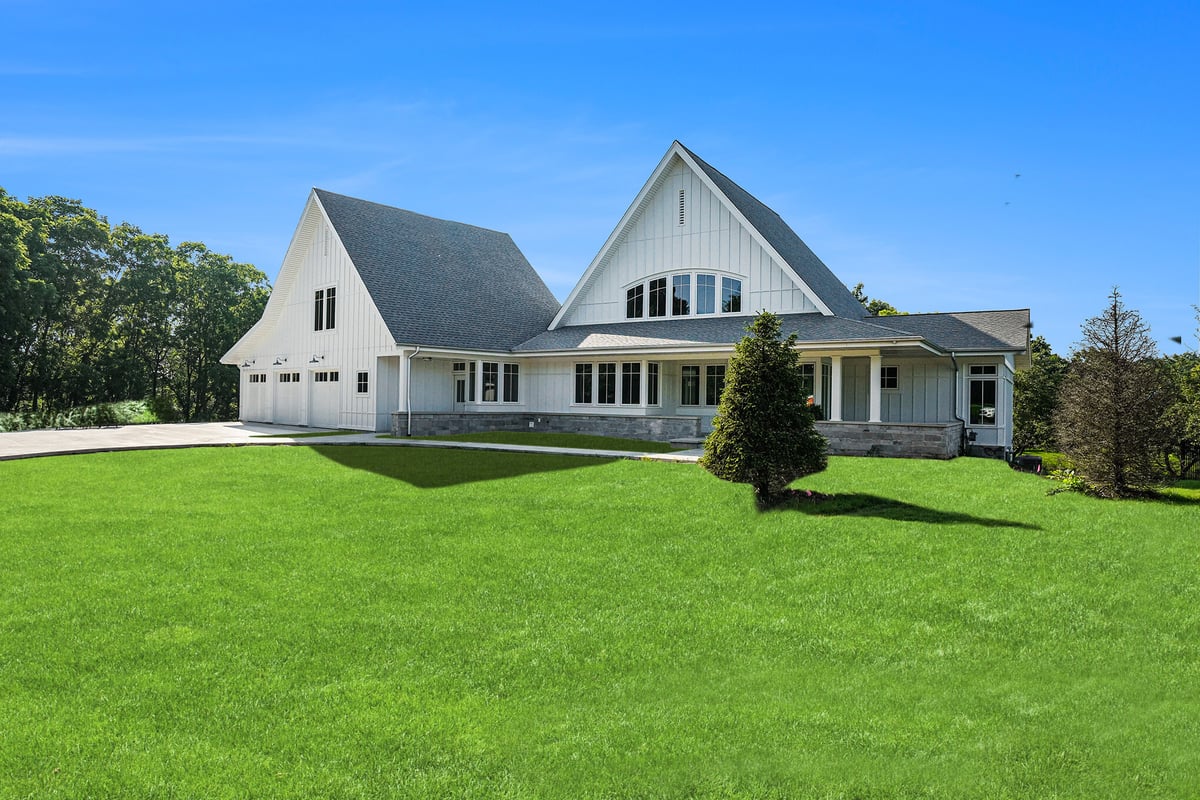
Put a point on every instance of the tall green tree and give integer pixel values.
(1111, 403)
(874, 306)
(763, 433)
(1180, 423)
(1035, 398)
(218, 300)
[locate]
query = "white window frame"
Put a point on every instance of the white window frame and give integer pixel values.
(984, 373)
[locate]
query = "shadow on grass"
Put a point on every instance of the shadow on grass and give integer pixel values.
(434, 468)
(869, 505)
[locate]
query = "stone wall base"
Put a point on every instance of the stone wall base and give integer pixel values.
(657, 429)
(915, 440)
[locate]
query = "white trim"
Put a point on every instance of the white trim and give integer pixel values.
(635, 209)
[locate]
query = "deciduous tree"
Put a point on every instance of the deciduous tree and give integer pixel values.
(1035, 397)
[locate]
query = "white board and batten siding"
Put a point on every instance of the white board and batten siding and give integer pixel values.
(359, 338)
(711, 239)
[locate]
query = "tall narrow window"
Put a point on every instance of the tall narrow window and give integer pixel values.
(491, 376)
(681, 295)
(330, 307)
(607, 379)
(635, 299)
(583, 383)
(706, 294)
(363, 383)
(471, 380)
(658, 297)
(652, 383)
(512, 376)
(631, 384)
(319, 310)
(807, 377)
(689, 387)
(983, 394)
(714, 384)
(731, 296)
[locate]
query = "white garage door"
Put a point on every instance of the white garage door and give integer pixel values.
(256, 399)
(287, 398)
(323, 399)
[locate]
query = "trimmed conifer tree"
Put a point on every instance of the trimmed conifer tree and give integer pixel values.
(763, 433)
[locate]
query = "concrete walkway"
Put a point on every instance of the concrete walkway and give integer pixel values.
(32, 444)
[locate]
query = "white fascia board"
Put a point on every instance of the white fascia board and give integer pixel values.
(449, 352)
(301, 237)
(630, 214)
(758, 237)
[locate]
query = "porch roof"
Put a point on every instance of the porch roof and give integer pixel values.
(709, 331)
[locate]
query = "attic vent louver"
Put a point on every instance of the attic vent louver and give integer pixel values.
(681, 206)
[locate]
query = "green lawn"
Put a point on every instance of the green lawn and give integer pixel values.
(569, 440)
(402, 622)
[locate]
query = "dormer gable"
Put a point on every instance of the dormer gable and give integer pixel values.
(691, 241)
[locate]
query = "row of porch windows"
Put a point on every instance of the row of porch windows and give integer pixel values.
(598, 383)
(682, 302)
(500, 380)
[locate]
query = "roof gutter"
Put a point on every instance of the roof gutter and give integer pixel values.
(962, 443)
(408, 389)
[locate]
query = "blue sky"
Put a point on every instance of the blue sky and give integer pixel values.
(889, 136)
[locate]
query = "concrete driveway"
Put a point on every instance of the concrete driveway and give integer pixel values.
(27, 444)
(30, 444)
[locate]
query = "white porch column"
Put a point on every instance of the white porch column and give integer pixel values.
(817, 380)
(873, 391)
(835, 389)
(478, 380)
(644, 384)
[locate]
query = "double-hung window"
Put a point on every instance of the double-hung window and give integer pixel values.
(706, 294)
(606, 389)
(714, 383)
(658, 297)
(652, 383)
(681, 295)
(325, 309)
(635, 301)
(731, 296)
(583, 383)
(631, 383)
(689, 388)
(982, 392)
(512, 375)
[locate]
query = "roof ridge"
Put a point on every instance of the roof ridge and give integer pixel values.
(321, 191)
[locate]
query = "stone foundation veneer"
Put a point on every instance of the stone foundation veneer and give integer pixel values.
(657, 429)
(911, 440)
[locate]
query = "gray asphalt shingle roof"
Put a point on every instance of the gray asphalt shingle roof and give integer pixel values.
(966, 330)
(703, 331)
(795, 252)
(963, 331)
(440, 283)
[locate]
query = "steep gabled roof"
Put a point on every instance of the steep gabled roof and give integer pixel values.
(441, 283)
(803, 261)
(984, 331)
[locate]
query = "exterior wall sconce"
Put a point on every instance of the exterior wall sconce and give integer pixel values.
(314, 359)
(279, 361)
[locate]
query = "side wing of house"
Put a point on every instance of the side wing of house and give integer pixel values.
(688, 248)
(319, 354)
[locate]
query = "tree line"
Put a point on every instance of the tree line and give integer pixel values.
(93, 313)
(1125, 416)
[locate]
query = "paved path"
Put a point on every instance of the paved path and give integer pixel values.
(31, 444)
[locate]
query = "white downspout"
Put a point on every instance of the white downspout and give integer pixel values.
(408, 389)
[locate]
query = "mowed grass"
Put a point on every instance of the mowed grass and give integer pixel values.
(582, 441)
(401, 622)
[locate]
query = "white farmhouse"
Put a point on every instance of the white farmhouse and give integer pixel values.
(382, 319)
